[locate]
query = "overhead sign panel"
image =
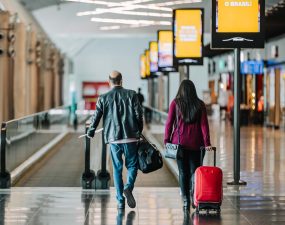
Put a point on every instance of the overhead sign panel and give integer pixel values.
(143, 66)
(153, 56)
(147, 63)
(237, 24)
(188, 36)
(165, 50)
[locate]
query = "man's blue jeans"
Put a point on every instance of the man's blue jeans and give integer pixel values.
(131, 159)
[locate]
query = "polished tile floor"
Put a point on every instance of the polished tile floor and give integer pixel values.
(155, 206)
(261, 202)
(262, 157)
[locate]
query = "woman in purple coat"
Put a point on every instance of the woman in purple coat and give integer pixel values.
(193, 131)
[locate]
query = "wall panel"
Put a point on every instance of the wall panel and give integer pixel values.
(4, 66)
(20, 92)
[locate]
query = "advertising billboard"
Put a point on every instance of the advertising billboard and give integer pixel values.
(165, 50)
(142, 66)
(188, 36)
(147, 63)
(153, 56)
(237, 24)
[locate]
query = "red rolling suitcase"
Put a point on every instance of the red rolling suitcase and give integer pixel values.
(208, 187)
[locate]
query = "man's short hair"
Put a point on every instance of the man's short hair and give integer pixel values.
(117, 79)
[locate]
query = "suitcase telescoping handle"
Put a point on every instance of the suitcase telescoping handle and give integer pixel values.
(143, 137)
(202, 150)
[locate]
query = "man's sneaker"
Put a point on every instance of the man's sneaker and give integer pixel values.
(130, 198)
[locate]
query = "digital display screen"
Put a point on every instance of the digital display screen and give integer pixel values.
(143, 66)
(188, 31)
(165, 48)
(237, 16)
(153, 55)
(147, 63)
(238, 24)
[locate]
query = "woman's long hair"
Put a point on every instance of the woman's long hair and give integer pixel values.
(188, 102)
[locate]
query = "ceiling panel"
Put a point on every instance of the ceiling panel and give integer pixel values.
(60, 20)
(37, 4)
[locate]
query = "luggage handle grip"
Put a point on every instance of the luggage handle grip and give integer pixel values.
(201, 157)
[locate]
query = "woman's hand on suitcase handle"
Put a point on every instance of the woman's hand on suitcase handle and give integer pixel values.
(209, 148)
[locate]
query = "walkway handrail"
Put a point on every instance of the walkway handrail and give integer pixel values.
(37, 114)
(157, 115)
(89, 179)
(156, 110)
(5, 177)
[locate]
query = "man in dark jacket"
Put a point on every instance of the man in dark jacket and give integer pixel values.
(123, 124)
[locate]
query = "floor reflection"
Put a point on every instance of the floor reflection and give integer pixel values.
(4, 200)
(212, 219)
(155, 206)
(130, 217)
(262, 156)
(86, 199)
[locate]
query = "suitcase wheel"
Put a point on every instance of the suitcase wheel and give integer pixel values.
(219, 211)
(197, 209)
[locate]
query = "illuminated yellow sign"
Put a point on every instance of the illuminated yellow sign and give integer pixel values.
(142, 65)
(147, 63)
(153, 54)
(165, 48)
(188, 33)
(235, 16)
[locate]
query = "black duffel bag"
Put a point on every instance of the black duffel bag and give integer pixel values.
(149, 157)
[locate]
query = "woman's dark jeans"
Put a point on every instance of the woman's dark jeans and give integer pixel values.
(187, 166)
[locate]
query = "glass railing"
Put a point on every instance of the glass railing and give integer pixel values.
(155, 115)
(22, 138)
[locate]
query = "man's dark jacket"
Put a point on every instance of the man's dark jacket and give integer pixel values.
(122, 115)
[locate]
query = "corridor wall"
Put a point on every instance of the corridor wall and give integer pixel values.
(4, 66)
(20, 93)
(31, 67)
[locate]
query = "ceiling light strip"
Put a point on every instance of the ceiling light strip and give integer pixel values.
(110, 28)
(105, 28)
(89, 2)
(130, 22)
(101, 11)
(114, 4)
(173, 3)
(135, 2)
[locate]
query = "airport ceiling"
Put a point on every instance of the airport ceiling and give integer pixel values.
(37, 4)
(113, 16)
(61, 20)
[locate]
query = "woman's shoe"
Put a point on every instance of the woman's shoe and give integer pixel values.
(186, 209)
(186, 203)
(192, 201)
